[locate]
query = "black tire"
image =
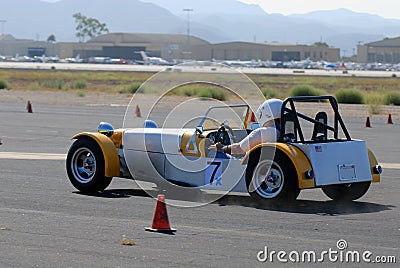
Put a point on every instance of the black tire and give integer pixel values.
(283, 186)
(85, 166)
(346, 192)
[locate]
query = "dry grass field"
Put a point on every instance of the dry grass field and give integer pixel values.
(83, 87)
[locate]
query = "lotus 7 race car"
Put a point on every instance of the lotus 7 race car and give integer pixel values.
(328, 158)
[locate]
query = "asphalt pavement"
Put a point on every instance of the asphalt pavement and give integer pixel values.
(196, 67)
(45, 222)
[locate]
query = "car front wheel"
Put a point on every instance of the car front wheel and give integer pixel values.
(85, 166)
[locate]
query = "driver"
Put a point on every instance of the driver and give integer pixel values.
(268, 115)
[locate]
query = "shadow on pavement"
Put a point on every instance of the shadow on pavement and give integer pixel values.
(119, 193)
(323, 208)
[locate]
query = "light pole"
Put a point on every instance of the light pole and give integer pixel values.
(188, 10)
(2, 26)
(2, 35)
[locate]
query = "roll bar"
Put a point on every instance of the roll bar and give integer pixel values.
(289, 113)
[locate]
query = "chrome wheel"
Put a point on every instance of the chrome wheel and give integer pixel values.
(272, 180)
(268, 179)
(83, 165)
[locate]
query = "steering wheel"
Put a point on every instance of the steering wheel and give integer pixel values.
(223, 137)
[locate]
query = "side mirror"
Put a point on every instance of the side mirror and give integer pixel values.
(199, 131)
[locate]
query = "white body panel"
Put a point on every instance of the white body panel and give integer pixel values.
(144, 151)
(153, 154)
(149, 139)
(338, 162)
(207, 173)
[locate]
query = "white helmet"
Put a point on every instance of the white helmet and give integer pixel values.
(269, 110)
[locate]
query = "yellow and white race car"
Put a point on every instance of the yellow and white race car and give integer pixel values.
(328, 158)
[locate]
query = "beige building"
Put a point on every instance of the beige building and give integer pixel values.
(124, 45)
(384, 51)
(246, 51)
(9, 46)
(114, 45)
(167, 46)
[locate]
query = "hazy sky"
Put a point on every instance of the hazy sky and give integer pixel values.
(384, 8)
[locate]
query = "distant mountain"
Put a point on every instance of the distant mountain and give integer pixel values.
(232, 7)
(212, 20)
(267, 28)
(347, 21)
(36, 19)
(340, 28)
(29, 18)
(351, 27)
(345, 18)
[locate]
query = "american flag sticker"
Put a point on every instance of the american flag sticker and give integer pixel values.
(318, 149)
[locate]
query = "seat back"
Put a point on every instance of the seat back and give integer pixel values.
(320, 133)
(289, 128)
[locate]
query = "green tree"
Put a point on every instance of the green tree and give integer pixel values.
(51, 38)
(88, 27)
(321, 44)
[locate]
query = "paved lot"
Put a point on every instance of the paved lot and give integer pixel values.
(215, 68)
(45, 223)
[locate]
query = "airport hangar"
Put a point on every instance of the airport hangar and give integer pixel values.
(169, 47)
(384, 51)
(10, 46)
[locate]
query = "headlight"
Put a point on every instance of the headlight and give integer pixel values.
(105, 128)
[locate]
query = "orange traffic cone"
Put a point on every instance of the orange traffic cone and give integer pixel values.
(29, 107)
(368, 123)
(138, 114)
(160, 218)
(390, 119)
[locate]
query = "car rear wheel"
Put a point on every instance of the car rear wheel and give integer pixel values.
(346, 192)
(272, 180)
(85, 166)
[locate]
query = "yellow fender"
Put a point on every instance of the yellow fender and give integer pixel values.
(372, 163)
(298, 158)
(197, 147)
(111, 158)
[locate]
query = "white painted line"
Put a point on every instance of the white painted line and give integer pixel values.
(31, 156)
(105, 105)
(45, 156)
(390, 165)
(118, 105)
